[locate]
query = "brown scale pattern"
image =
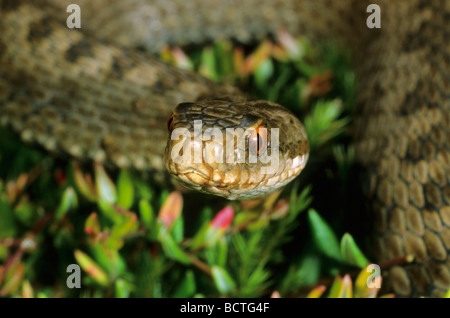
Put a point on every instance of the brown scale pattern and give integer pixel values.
(50, 77)
(403, 138)
(238, 114)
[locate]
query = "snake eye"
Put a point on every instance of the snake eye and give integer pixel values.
(258, 140)
(170, 122)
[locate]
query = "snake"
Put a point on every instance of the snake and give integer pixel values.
(99, 93)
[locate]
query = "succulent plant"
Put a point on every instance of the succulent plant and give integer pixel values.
(131, 239)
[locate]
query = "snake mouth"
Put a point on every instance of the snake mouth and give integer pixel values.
(243, 184)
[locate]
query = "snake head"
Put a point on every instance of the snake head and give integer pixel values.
(234, 147)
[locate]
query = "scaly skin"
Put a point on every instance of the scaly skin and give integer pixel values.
(50, 78)
(231, 128)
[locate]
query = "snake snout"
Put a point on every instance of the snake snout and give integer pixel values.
(237, 150)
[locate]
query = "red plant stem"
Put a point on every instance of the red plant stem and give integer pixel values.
(19, 252)
(200, 265)
(10, 262)
(402, 260)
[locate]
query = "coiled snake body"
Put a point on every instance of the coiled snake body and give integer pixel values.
(94, 100)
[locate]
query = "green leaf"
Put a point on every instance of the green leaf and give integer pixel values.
(351, 252)
(105, 187)
(177, 230)
(223, 51)
(208, 64)
(122, 289)
(213, 236)
(341, 288)
(186, 287)
(222, 252)
(27, 290)
(281, 82)
(109, 212)
(171, 248)
(199, 239)
(223, 281)
(84, 184)
(316, 292)
(345, 158)
(263, 73)
(305, 273)
(125, 190)
(143, 190)
(128, 225)
(25, 213)
(299, 203)
(7, 224)
(109, 260)
(13, 278)
(323, 235)
(323, 124)
(4, 252)
(309, 269)
(337, 288)
(146, 213)
(217, 254)
(91, 268)
(69, 201)
(92, 225)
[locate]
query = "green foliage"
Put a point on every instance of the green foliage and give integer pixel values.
(69, 201)
(324, 124)
(125, 189)
(447, 294)
(187, 286)
(223, 281)
(342, 287)
(351, 253)
(134, 240)
(324, 236)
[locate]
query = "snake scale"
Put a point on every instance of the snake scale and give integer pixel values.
(94, 99)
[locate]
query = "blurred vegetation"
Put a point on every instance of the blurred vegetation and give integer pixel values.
(132, 239)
